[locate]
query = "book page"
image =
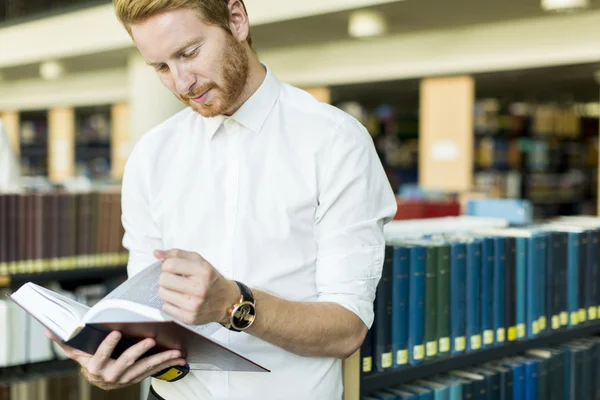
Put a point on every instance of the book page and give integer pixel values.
(58, 313)
(142, 289)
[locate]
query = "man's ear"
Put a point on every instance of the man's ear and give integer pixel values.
(238, 20)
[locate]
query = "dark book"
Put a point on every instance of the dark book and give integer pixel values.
(431, 332)
(443, 301)
(383, 315)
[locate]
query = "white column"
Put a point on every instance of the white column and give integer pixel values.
(150, 102)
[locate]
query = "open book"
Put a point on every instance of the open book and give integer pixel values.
(134, 309)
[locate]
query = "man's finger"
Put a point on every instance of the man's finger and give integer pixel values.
(150, 365)
(99, 360)
(185, 267)
(114, 372)
(183, 301)
(178, 253)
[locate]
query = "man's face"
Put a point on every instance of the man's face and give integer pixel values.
(204, 66)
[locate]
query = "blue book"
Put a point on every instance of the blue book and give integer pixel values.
(421, 392)
(416, 305)
(440, 391)
(454, 386)
(487, 275)
(479, 383)
(575, 257)
(401, 394)
(518, 378)
(498, 291)
(473, 294)
(400, 294)
(521, 268)
(458, 256)
(530, 366)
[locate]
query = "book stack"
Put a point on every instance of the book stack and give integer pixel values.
(452, 291)
(567, 371)
(46, 231)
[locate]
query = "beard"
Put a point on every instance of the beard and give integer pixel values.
(233, 71)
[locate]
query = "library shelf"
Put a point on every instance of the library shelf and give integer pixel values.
(65, 275)
(46, 369)
(376, 381)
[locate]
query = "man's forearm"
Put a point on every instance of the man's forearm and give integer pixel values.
(308, 329)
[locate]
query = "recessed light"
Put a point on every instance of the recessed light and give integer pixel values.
(564, 5)
(51, 70)
(366, 23)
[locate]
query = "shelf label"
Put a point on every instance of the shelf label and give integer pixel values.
(543, 323)
(521, 331)
(402, 357)
(460, 343)
(431, 349)
(386, 360)
(367, 365)
(419, 352)
(535, 328)
(592, 313)
(555, 322)
(500, 335)
(488, 337)
(582, 316)
(564, 318)
(476, 342)
(512, 334)
(444, 345)
(574, 318)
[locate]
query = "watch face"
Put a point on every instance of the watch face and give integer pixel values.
(243, 315)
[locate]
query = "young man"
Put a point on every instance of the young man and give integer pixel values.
(256, 191)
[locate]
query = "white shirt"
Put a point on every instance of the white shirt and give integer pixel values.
(288, 196)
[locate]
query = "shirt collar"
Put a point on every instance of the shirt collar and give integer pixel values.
(254, 112)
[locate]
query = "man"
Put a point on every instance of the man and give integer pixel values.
(254, 192)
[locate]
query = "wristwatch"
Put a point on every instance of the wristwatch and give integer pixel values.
(242, 314)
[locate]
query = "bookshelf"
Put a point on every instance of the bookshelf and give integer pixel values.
(428, 369)
(28, 372)
(93, 141)
(66, 275)
(33, 142)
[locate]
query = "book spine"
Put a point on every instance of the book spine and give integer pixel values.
(431, 338)
(443, 301)
(416, 337)
(400, 294)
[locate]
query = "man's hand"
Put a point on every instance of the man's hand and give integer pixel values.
(108, 374)
(193, 290)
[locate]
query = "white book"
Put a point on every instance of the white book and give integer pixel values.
(134, 309)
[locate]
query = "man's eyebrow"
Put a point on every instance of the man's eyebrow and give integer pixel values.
(179, 51)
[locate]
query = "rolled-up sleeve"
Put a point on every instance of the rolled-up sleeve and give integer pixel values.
(355, 202)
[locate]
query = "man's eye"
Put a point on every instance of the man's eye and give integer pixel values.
(191, 53)
(162, 68)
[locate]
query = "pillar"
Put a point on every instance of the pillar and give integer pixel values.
(446, 133)
(150, 102)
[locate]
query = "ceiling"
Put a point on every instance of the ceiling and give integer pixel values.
(403, 16)
(564, 83)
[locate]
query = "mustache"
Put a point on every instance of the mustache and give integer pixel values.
(197, 91)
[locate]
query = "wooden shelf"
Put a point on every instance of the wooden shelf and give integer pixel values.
(378, 381)
(46, 369)
(62, 275)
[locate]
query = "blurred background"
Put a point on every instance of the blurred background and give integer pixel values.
(464, 99)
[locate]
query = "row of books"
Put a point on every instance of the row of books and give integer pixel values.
(68, 387)
(22, 339)
(569, 371)
(449, 293)
(45, 231)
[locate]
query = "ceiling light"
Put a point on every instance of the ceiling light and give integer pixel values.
(366, 23)
(564, 5)
(51, 70)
